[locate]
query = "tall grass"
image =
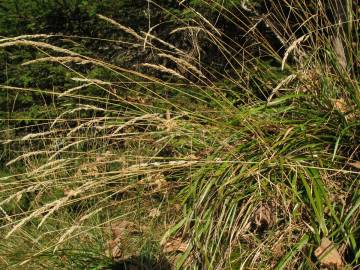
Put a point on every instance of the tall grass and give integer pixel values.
(257, 153)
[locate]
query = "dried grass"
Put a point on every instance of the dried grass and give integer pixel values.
(37, 44)
(164, 69)
(121, 27)
(60, 59)
(183, 63)
(294, 45)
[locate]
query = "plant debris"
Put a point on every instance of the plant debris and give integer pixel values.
(329, 256)
(175, 245)
(263, 218)
(154, 213)
(118, 231)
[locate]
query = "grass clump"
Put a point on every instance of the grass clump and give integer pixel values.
(234, 153)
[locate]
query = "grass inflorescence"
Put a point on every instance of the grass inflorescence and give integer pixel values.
(234, 153)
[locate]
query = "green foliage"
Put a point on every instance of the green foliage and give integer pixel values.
(243, 155)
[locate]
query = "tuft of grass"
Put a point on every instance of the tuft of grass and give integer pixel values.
(247, 166)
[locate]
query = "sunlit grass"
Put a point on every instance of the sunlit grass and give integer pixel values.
(247, 166)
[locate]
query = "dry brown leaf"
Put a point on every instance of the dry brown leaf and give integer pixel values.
(329, 256)
(355, 164)
(345, 108)
(118, 231)
(263, 218)
(158, 183)
(340, 105)
(161, 183)
(155, 212)
(113, 249)
(175, 245)
(278, 250)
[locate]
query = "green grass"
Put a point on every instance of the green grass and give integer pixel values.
(247, 166)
